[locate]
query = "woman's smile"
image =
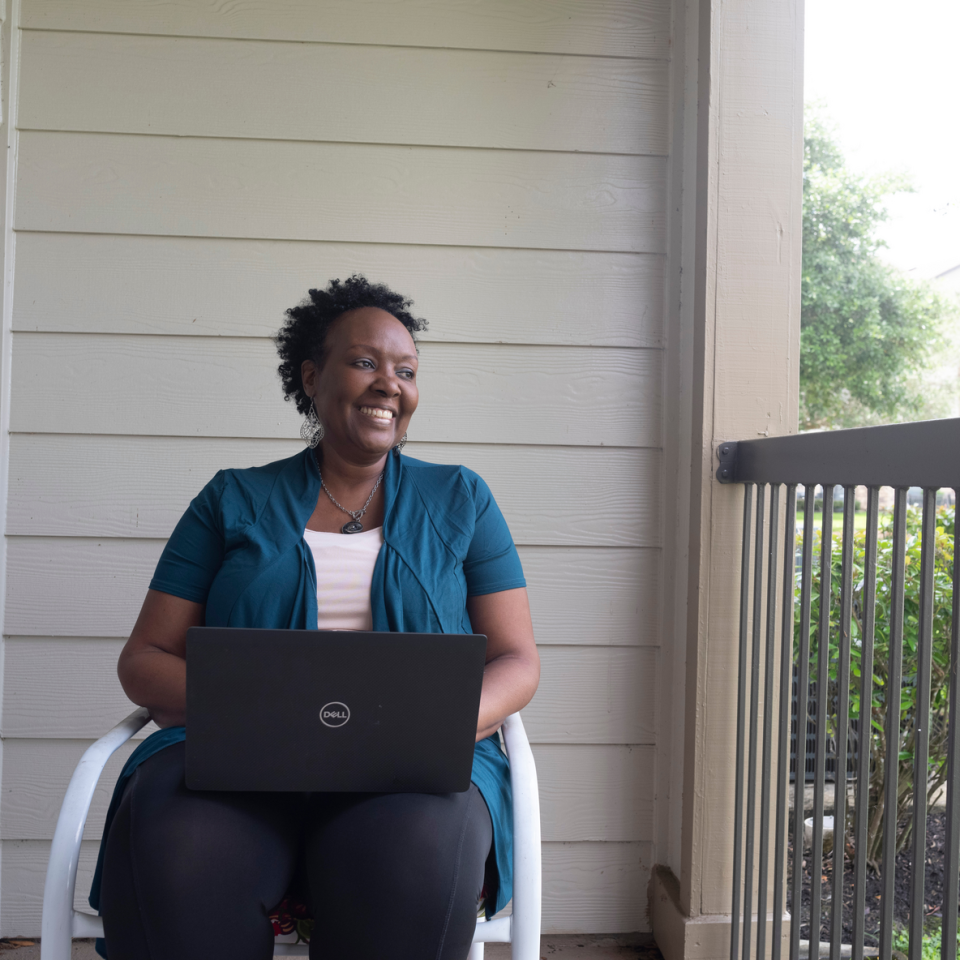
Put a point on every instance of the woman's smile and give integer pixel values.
(378, 413)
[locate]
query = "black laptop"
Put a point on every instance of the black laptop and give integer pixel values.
(331, 710)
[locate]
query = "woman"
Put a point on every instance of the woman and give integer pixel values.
(348, 534)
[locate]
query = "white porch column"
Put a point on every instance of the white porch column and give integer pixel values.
(735, 279)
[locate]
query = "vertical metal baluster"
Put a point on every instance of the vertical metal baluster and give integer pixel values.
(768, 702)
(921, 744)
(803, 688)
(948, 938)
(783, 748)
(892, 733)
(843, 713)
(867, 620)
(754, 711)
(823, 676)
(741, 718)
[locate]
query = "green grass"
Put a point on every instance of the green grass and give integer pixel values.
(859, 520)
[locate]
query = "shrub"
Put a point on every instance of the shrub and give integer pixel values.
(875, 736)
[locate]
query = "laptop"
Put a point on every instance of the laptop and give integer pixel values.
(331, 710)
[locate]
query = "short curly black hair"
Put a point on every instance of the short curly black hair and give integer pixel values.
(304, 333)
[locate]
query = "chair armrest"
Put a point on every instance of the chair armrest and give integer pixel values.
(525, 922)
(61, 882)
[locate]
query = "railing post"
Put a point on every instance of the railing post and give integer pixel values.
(786, 678)
(741, 723)
(823, 679)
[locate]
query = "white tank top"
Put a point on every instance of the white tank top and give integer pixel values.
(344, 573)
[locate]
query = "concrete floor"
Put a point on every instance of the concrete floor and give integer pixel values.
(639, 946)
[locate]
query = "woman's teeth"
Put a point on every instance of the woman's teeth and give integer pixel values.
(377, 413)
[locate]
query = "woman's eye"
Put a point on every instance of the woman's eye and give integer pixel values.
(406, 374)
(364, 363)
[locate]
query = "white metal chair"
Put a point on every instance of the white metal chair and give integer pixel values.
(61, 922)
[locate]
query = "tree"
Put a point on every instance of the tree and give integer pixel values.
(868, 332)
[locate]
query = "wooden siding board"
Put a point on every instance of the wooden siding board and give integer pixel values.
(614, 28)
(586, 793)
(130, 486)
(220, 386)
(99, 586)
(63, 688)
(587, 888)
(183, 186)
(66, 687)
(594, 695)
(579, 596)
(35, 778)
(594, 595)
(203, 286)
(291, 91)
(597, 792)
(22, 874)
(596, 887)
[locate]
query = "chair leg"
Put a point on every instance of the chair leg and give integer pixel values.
(476, 952)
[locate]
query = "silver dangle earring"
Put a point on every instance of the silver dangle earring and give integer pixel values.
(399, 447)
(311, 430)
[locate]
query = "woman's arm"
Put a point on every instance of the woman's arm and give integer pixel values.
(153, 665)
(513, 664)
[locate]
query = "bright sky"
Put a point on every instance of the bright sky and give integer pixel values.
(887, 73)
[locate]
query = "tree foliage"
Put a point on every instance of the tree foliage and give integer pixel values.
(868, 331)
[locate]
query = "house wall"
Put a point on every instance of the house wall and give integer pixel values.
(186, 171)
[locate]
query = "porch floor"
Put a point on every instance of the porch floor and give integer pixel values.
(592, 947)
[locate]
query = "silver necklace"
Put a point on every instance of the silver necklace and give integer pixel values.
(354, 526)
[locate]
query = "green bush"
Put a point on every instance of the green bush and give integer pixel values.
(942, 618)
(930, 949)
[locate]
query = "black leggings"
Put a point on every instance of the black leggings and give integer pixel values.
(195, 874)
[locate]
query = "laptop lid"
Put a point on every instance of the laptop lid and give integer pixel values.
(322, 710)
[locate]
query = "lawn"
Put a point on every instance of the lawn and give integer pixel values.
(859, 520)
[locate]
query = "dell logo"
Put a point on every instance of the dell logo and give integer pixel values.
(334, 714)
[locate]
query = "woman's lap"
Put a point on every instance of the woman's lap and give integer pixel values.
(195, 874)
(412, 864)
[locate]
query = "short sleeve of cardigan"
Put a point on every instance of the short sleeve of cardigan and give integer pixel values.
(492, 563)
(194, 552)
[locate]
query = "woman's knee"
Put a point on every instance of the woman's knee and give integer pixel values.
(190, 838)
(407, 869)
(174, 858)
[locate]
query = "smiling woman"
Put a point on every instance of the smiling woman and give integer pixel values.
(428, 551)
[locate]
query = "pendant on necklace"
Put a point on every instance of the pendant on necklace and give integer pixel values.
(354, 526)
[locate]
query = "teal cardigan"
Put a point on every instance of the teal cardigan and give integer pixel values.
(239, 549)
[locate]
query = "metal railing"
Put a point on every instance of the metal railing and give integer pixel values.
(771, 647)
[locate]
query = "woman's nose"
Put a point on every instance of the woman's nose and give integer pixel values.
(387, 385)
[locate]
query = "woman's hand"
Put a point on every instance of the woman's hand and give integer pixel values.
(513, 664)
(153, 663)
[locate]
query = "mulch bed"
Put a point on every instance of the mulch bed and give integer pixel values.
(933, 887)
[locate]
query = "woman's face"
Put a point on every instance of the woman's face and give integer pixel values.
(366, 392)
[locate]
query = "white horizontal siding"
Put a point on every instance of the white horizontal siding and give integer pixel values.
(295, 91)
(23, 868)
(207, 286)
(36, 773)
(185, 174)
(184, 186)
(612, 28)
(220, 386)
(587, 887)
(67, 687)
(130, 486)
(580, 596)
